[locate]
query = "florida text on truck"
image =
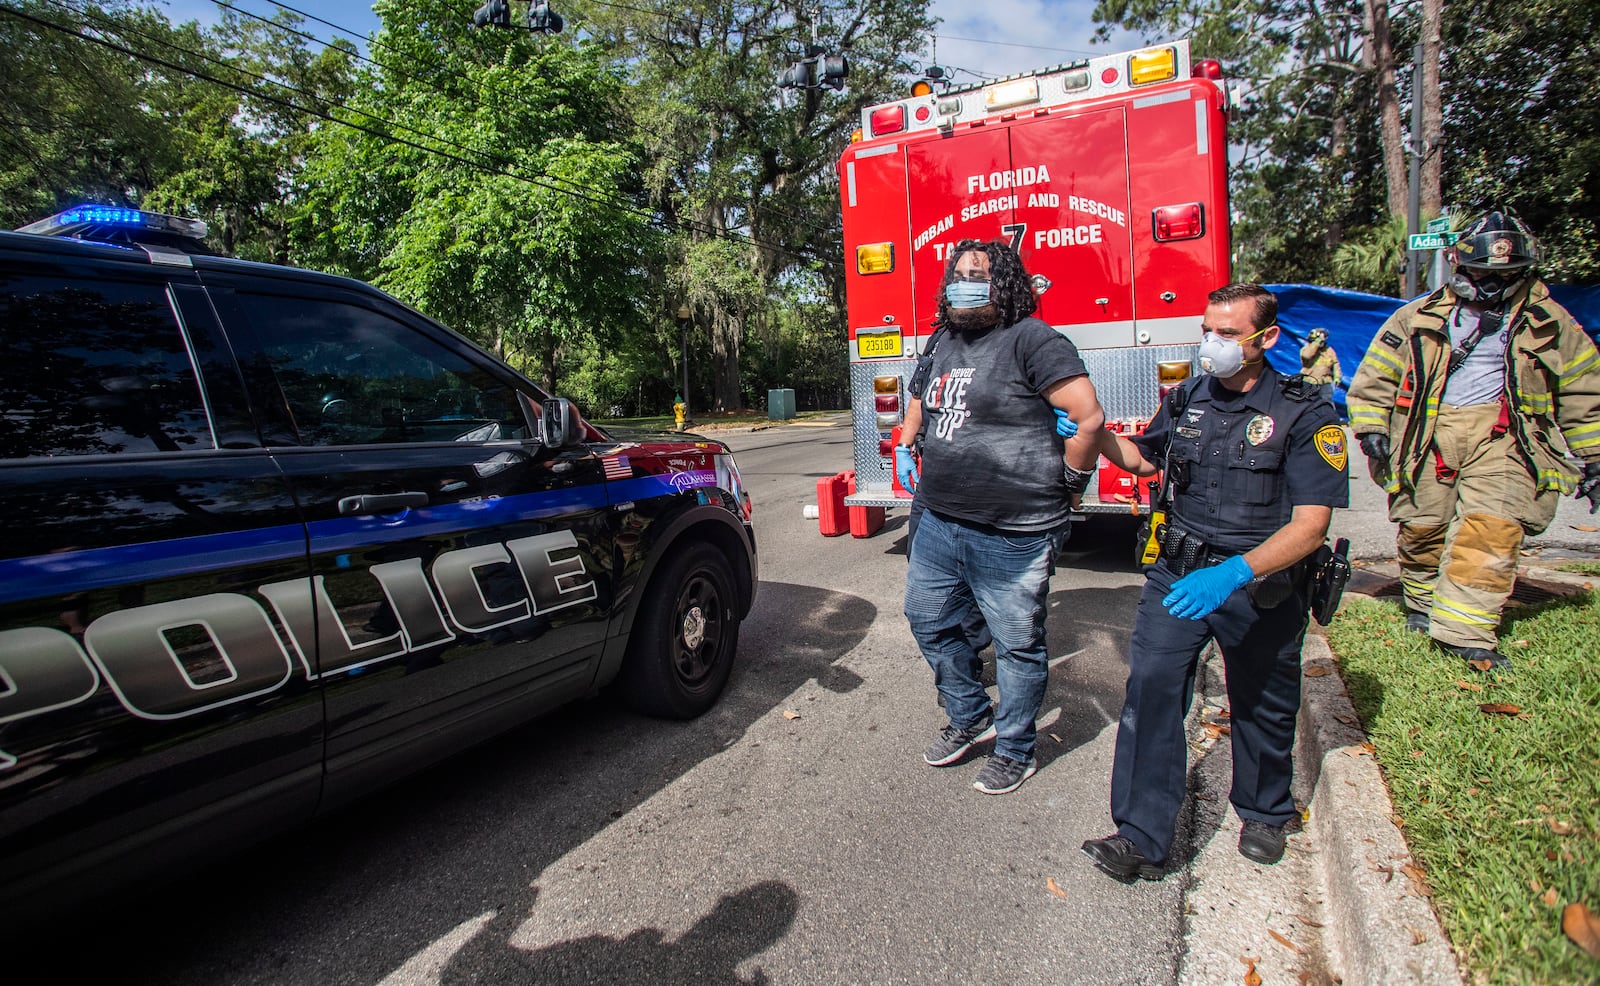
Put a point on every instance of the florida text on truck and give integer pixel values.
(1108, 175)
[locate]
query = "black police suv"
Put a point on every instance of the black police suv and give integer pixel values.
(274, 539)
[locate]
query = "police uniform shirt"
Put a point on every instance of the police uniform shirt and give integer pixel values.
(1250, 459)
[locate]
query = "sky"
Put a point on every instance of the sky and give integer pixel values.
(991, 37)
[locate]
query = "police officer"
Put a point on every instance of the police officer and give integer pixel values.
(1319, 364)
(1457, 405)
(1255, 464)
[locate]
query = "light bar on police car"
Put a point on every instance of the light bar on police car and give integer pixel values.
(106, 215)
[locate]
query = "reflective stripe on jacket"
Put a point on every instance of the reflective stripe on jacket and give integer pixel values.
(1553, 385)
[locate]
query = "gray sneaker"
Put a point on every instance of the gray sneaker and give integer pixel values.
(1002, 775)
(955, 741)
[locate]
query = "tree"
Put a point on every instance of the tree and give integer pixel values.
(742, 171)
(485, 177)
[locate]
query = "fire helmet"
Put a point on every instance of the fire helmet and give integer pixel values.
(1496, 241)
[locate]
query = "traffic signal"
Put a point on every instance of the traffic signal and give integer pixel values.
(494, 13)
(542, 19)
(834, 69)
(798, 75)
(815, 71)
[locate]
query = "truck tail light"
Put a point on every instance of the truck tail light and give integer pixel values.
(1153, 65)
(888, 119)
(886, 401)
(1178, 222)
(1169, 375)
(875, 258)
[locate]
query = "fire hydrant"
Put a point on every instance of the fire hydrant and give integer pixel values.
(677, 412)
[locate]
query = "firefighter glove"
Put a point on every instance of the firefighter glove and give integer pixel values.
(905, 468)
(1376, 445)
(1589, 486)
(1065, 426)
(1200, 592)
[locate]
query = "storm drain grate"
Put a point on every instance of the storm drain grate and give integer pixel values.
(1523, 593)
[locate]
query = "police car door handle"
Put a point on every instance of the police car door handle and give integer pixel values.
(381, 503)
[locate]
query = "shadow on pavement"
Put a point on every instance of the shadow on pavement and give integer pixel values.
(741, 925)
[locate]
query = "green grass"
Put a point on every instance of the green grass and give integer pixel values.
(1580, 567)
(1497, 809)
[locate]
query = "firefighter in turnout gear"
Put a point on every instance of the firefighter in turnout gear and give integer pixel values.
(1458, 405)
(1319, 364)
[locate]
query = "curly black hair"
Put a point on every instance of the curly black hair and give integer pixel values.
(1010, 288)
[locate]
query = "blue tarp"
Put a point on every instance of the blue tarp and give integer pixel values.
(1352, 318)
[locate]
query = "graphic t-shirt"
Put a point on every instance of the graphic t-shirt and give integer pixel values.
(991, 454)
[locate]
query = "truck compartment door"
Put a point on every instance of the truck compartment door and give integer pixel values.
(959, 187)
(1074, 223)
(872, 181)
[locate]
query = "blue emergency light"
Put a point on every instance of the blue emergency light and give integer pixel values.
(81, 217)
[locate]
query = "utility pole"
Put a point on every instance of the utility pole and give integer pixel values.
(1417, 148)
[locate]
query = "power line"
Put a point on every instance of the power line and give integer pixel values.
(389, 137)
(1018, 44)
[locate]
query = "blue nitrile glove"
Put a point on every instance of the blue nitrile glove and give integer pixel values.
(1065, 426)
(905, 468)
(1198, 593)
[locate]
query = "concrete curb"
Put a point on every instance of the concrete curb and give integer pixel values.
(1380, 929)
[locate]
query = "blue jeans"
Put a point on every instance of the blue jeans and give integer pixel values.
(1008, 576)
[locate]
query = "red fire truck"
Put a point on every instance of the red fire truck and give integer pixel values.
(1108, 175)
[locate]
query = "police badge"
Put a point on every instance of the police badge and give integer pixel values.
(1258, 430)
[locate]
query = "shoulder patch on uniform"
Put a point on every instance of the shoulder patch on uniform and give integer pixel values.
(1330, 445)
(1391, 339)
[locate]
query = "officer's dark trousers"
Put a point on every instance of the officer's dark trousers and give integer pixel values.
(1261, 653)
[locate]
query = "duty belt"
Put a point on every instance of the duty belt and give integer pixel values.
(1185, 552)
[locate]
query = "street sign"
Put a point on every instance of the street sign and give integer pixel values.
(1429, 241)
(1440, 225)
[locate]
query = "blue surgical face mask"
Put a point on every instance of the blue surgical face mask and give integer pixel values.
(967, 294)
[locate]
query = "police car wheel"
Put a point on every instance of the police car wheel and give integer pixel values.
(684, 637)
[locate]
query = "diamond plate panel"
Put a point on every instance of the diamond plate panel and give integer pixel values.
(874, 473)
(1126, 380)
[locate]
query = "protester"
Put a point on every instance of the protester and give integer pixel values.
(1253, 464)
(994, 494)
(1462, 405)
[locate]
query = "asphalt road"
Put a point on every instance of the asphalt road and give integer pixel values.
(791, 835)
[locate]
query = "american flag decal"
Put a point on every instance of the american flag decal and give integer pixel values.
(617, 467)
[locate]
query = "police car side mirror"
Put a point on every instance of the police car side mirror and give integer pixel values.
(559, 425)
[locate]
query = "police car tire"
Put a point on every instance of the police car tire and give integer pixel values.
(684, 636)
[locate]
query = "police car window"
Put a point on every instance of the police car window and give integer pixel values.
(95, 368)
(354, 376)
